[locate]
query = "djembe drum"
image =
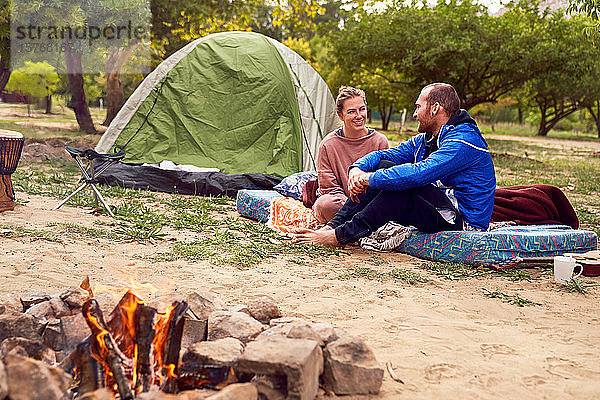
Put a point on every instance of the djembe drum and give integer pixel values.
(11, 145)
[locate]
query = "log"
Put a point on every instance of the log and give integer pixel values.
(145, 318)
(172, 346)
(105, 349)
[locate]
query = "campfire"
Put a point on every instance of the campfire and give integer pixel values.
(135, 349)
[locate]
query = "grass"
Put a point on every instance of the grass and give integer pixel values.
(206, 231)
(514, 299)
(397, 274)
(452, 271)
(575, 285)
(13, 232)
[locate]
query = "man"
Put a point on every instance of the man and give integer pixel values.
(440, 179)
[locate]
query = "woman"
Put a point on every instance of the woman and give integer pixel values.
(340, 149)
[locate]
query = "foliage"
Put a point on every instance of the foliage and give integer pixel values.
(485, 57)
(174, 27)
(572, 82)
(576, 285)
(35, 79)
(510, 299)
(399, 274)
(591, 8)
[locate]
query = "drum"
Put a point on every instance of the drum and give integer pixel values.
(11, 145)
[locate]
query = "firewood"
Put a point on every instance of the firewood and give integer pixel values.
(144, 328)
(105, 349)
(173, 346)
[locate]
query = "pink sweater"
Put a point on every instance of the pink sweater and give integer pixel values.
(337, 154)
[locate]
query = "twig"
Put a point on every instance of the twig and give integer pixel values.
(392, 373)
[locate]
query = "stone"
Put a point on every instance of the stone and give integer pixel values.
(41, 311)
(163, 302)
(293, 330)
(285, 320)
(31, 379)
(52, 335)
(351, 368)
(74, 330)
(3, 382)
(240, 308)
(200, 394)
(325, 331)
(222, 324)
(22, 325)
(52, 309)
(203, 303)
(263, 309)
(236, 391)
(100, 394)
(59, 307)
(300, 360)
(224, 351)
(193, 331)
(2, 309)
(73, 297)
(33, 348)
(270, 389)
(32, 298)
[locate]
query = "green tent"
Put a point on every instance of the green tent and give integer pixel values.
(236, 101)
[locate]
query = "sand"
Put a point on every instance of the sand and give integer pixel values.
(445, 339)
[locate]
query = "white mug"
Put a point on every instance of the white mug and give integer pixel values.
(564, 267)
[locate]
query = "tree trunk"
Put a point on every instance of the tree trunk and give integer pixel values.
(4, 74)
(389, 117)
(48, 104)
(546, 123)
(595, 115)
(78, 102)
(542, 131)
(520, 110)
(115, 61)
(383, 113)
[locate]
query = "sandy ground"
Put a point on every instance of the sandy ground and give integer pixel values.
(445, 339)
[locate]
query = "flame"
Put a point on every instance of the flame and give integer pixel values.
(122, 334)
(128, 313)
(143, 287)
(100, 334)
(135, 357)
(170, 370)
(160, 339)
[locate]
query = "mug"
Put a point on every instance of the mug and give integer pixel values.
(564, 267)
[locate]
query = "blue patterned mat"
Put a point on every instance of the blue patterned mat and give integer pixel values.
(499, 246)
(255, 203)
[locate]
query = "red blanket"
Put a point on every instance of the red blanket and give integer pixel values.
(533, 205)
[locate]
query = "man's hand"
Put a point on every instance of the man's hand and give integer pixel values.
(358, 182)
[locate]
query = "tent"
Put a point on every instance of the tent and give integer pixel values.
(239, 102)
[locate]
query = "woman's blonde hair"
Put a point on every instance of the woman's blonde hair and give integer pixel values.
(345, 93)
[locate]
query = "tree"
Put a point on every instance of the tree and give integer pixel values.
(572, 84)
(590, 8)
(4, 43)
(35, 79)
(483, 56)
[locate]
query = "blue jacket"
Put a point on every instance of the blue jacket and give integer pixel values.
(462, 162)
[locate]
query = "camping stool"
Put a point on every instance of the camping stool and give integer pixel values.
(89, 178)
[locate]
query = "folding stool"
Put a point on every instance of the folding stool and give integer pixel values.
(89, 175)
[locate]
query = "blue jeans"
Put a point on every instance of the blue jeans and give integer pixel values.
(419, 207)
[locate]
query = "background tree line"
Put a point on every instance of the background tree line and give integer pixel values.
(526, 57)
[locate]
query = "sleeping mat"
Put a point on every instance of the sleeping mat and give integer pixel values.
(499, 246)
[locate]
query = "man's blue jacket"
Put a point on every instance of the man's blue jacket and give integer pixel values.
(462, 162)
